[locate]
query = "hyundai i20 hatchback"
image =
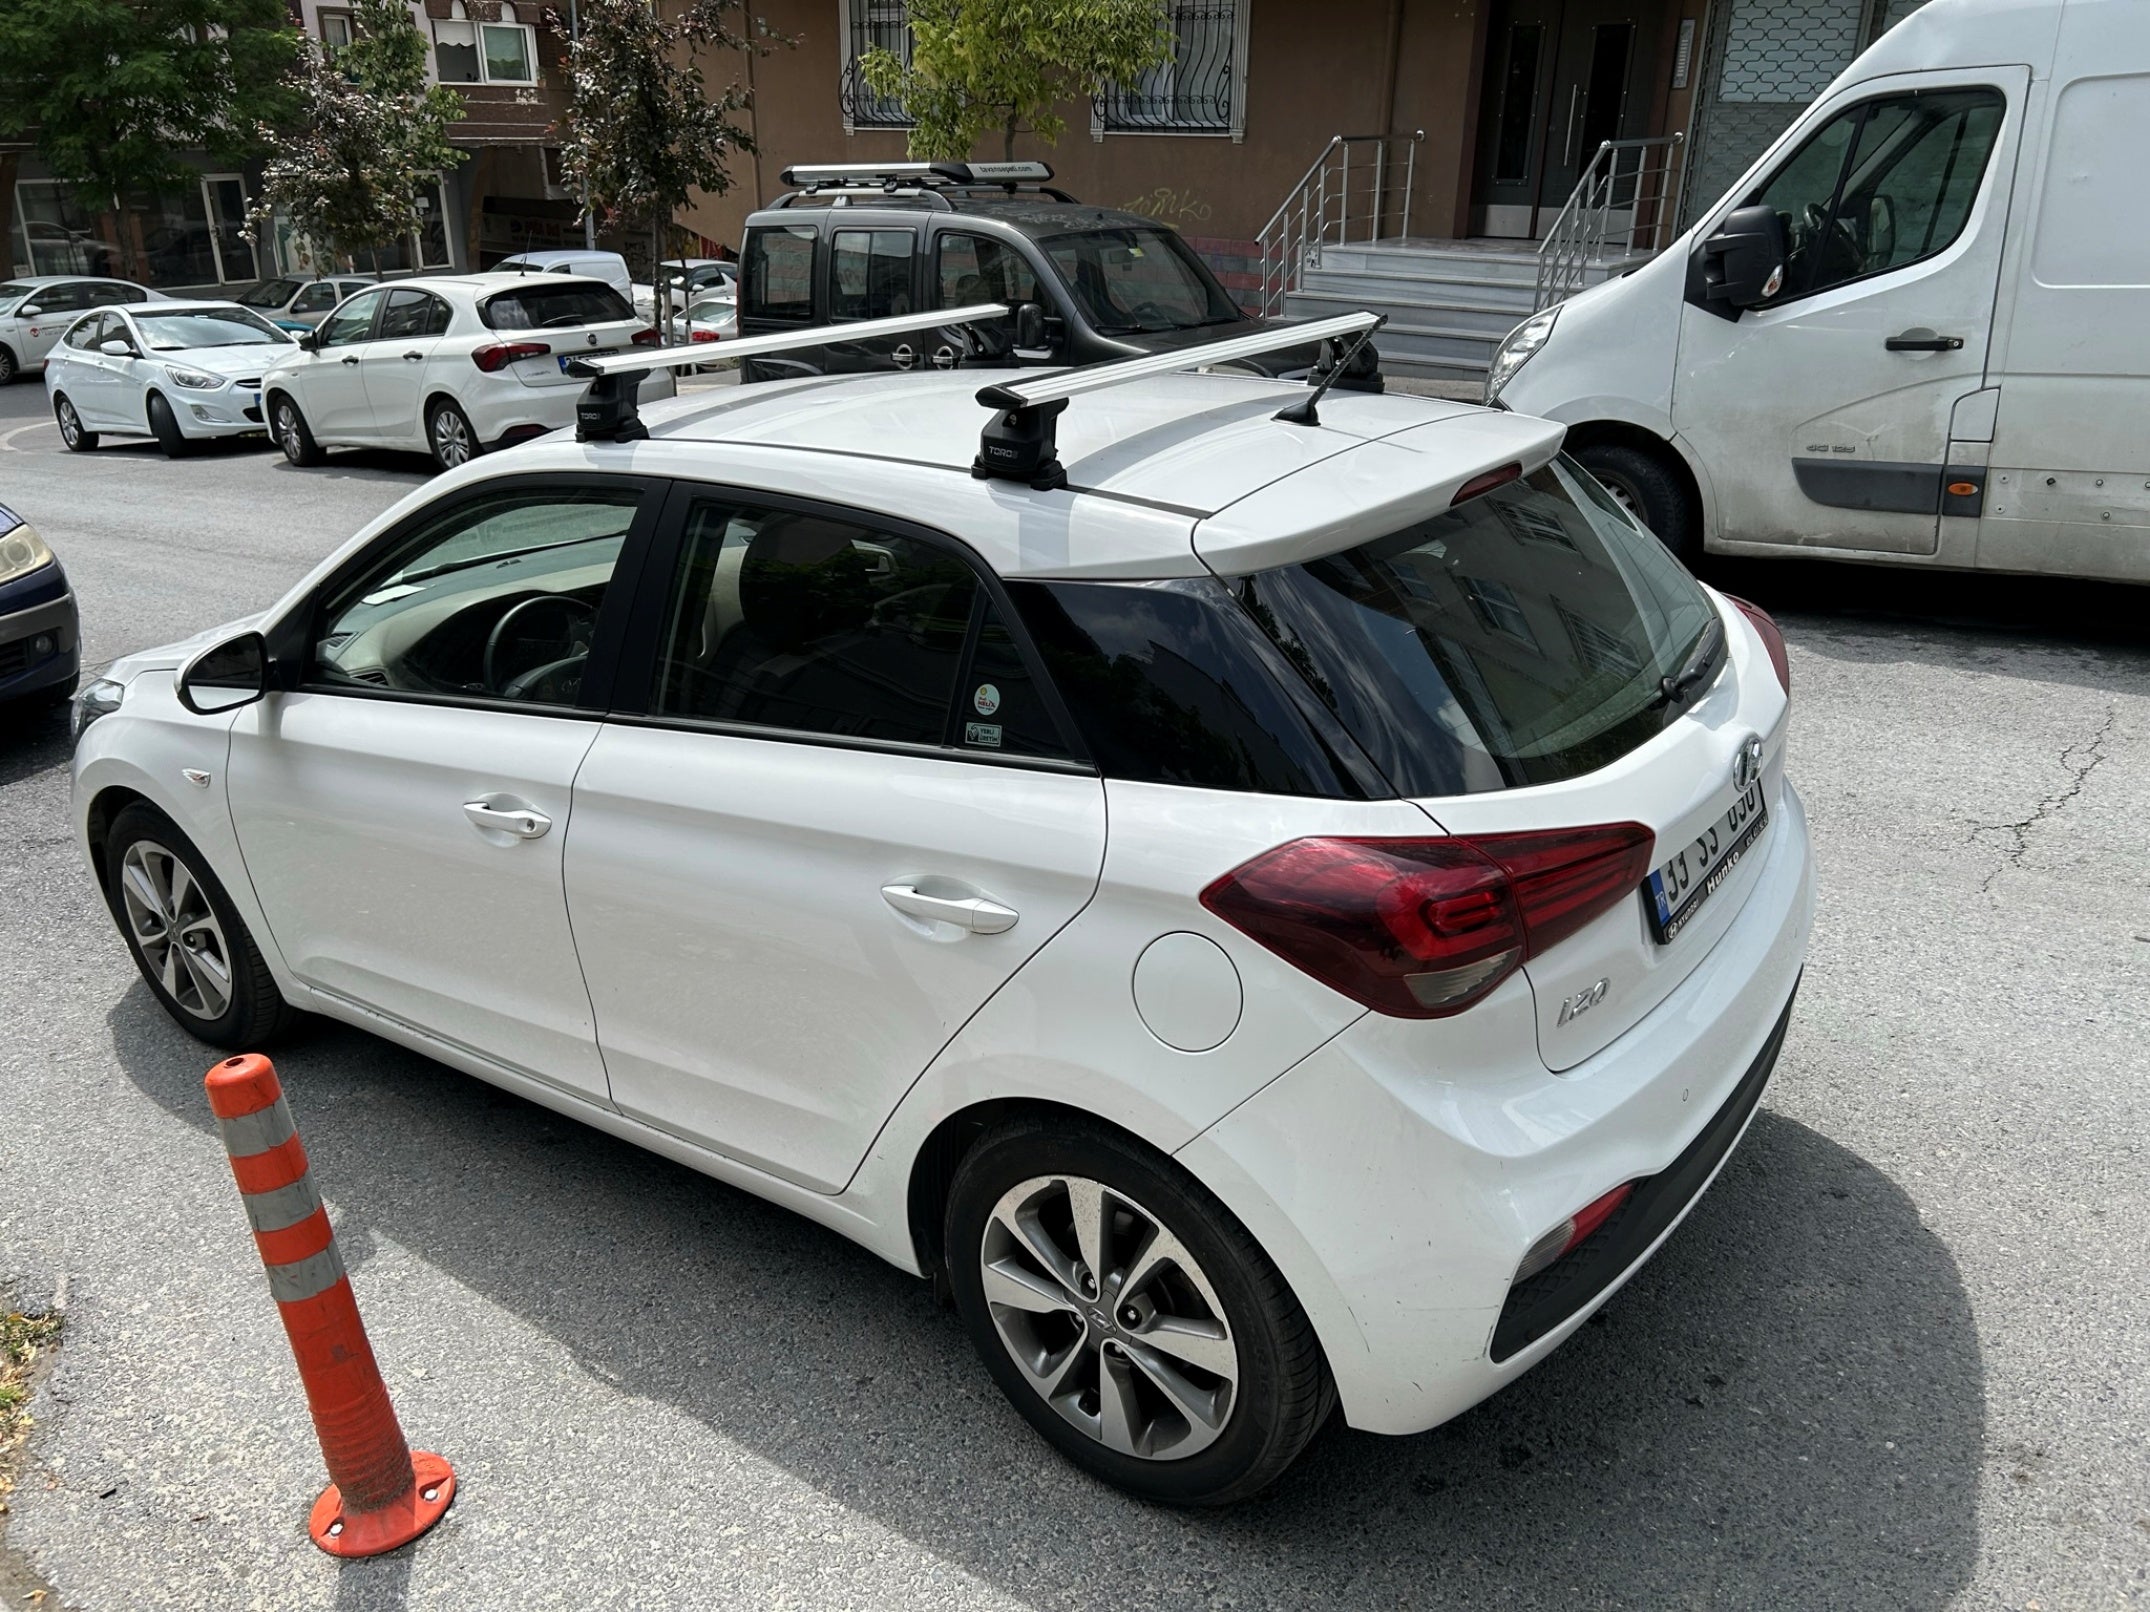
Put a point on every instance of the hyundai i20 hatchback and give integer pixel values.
(1285, 922)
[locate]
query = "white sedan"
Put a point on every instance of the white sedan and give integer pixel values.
(448, 365)
(182, 372)
(34, 311)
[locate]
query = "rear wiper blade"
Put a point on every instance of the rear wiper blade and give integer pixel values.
(1700, 662)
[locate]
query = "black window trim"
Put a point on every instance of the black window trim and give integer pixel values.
(292, 636)
(826, 292)
(635, 686)
(816, 303)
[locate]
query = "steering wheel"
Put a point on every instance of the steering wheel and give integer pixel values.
(578, 628)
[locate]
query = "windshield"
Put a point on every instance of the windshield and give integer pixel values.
(1139, 279)
(1520, 638)
(269, 294)
(12, 293)
(207, 327)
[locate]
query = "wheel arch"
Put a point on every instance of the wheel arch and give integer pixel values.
(97, 819)
(1670, 450)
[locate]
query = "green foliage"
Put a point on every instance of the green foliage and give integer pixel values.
(116, 90)
(983, 65)
(369, 137)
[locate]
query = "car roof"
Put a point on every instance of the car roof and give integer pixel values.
(1026, 211)
(1173, 475)
(56, 279)
(561, 254)
(175, 305)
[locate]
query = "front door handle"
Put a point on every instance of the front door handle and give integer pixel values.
(1922, 341)
(524, 822)
(351, 360)
(979, 914)
(412, 358)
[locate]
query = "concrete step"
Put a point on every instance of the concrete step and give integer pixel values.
(1453, 291)
(1434, 261)
(1459, 333)
(1460, 380)
(1428, 305)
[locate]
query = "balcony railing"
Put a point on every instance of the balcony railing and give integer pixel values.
(1359, 189)
(1622, 207)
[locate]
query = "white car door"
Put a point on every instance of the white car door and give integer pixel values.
(83, 374)
(395, 363)
(849, 816)
(402, 807)
(1823, 416)
(331, 384)
(43, 319)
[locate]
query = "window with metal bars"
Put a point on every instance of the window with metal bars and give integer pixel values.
(1196, 91)
(873, 24)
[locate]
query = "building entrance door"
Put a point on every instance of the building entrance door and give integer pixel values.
(1562, 77)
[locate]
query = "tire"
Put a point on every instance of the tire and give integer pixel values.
(211, 978)
(1652, 489)
(71, 432)
(292, 433)
(164, 426)
(9, 368)
(450, 435)
(1260, 1381)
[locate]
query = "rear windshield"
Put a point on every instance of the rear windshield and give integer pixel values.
(1518, 639)
(554, 305)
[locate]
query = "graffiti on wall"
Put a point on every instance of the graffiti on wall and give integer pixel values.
(1170, 206)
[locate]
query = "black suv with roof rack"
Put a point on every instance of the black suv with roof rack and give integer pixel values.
(856, 241)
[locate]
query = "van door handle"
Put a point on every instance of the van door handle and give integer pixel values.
(524, 822)
(979, 914)
(1922, 341)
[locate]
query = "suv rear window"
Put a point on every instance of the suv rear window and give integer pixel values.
(554, 305)
(1517, 639)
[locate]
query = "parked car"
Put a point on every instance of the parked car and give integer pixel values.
(873, 240)
(711, 317)
(1290, 917)
(686, 279)
(609, 267)
(1916, 332)
(40, 636)
(34, 311)
(182, 372)
(450, 365)
(300, 302)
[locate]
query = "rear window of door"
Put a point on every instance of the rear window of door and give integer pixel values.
(554, 305)
(870, 273)
(779, 274)
(411, 314)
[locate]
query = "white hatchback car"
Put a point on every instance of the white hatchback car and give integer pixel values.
(1289, 918)
(182, 372)
(451, 365)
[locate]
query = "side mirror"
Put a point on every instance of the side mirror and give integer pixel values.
(1029, 325)
(116, 348)
(1743, 262)
(30, 312)
(226, 676)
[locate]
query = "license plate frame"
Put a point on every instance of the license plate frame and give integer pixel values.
(1678, 887)
(566, 359)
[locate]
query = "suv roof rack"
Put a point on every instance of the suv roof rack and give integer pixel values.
(929, 178)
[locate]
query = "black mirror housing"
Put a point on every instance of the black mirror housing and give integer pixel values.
(1029, 326)
(226, 676)
(1743, 261)
(308, 339)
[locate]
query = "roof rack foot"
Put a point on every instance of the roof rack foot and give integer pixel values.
(1019, 446)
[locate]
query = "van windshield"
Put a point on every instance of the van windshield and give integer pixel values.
(1138, 280)
(1520, 638)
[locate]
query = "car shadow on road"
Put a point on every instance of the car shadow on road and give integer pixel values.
(1786, 1408)
(33, 739)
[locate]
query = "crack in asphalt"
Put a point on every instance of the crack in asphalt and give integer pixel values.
(2092, 750)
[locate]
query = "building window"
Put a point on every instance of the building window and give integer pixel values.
(1201, 90)
(335, 30)
(870, 25)
(484, 52)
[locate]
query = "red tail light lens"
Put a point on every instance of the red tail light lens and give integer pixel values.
(1572, 1232)
(1772, 639)
(646, 338)
(702, 335)
(1423, 928)
(496, 357)
(1478, 485)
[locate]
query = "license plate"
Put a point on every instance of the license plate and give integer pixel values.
(1675, 892)
(575, 358)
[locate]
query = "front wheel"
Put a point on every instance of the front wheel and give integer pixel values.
(164, 426)
(1650, 490)
(1129, 1317)
(293, 435)
(186, 936)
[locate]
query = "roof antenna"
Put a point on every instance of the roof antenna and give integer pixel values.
(1303, 413)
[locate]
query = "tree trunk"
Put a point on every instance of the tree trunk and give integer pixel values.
(1007, 142)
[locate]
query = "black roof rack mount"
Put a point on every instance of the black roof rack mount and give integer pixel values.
(900, 175)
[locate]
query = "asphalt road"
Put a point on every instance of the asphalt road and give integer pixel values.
(1899, 1358)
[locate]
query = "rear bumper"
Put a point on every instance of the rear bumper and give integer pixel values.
(39, 636)
(1400, 1173)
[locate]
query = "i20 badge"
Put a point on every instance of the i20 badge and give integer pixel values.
(1584, 1000)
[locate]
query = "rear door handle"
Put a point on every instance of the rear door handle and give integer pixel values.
(979, 914)
(524, 822)
(412, 358)
(1913, 341)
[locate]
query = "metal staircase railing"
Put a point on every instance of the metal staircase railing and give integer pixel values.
(1621, 207)
(1359, 189)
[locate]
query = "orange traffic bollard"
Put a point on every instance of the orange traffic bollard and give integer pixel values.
(381, 1493)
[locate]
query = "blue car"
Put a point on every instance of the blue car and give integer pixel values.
(40, 639)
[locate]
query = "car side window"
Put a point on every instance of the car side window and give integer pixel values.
(65, 297)
(870, 273)
(977, 268)
(779, 274)
(87, 333)
(316, 298)
(120, 291)
(412, 314)
(353, 322)
(496, 599)
(1883, 184)
(815, 624)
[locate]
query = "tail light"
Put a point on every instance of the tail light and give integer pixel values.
(496, 357)
(1478, 486)
(646, 338)
(1772, 639)
(1572, 1232)
(1423, 928)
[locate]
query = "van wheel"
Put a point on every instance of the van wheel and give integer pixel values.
(1651, 490)
(1129, 1317)
(164, 426)
(71, 432)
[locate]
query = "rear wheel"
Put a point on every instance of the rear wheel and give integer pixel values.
(71, 431)
(1129, 1317)
(164, 426)
(293, 434)
(449, 432)
(1650, 489)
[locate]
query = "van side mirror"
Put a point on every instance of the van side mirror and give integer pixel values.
(1743, 261)
(226, 676)
(1029, 326)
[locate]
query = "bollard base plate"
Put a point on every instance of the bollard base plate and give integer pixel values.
(369, 1533)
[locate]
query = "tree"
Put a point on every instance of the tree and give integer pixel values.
(369, 137)
(981, 65)
(644, 130)
(115, 91)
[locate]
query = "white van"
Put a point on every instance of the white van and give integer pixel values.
(609, 267)
(1917, 331)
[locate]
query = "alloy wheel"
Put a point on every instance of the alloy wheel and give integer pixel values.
(70, 423)
(1109, 1317)
(451, 439)
(290, 434)
(169, 915)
